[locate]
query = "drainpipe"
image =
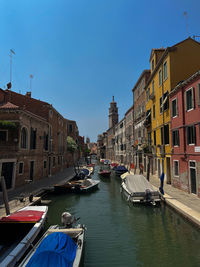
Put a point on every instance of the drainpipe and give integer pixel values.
(183, 122)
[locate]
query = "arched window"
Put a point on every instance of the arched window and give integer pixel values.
(24, 138)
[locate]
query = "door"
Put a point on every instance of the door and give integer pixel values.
(7, 173)
(49, 166)
(168, 170)
(192, 167)
(31, 170)
(159, 168)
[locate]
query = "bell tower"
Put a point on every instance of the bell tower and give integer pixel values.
(113, 114)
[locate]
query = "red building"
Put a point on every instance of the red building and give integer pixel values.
(185, 134)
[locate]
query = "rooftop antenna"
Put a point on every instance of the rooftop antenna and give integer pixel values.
(195, 36)
(31, 77)
(186, 22)
(12, 52)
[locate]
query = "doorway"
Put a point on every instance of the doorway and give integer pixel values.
(193, 182)
(31, 170)
(7, 173)
(168, 170)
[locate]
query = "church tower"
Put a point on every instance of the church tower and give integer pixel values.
(113, 114)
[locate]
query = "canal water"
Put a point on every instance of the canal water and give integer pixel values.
(120, 234)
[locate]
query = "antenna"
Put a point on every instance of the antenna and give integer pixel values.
(195, 36)
(31, 77)
(12, 52)
(186, 22)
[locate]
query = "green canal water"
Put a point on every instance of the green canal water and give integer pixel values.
(120, 234)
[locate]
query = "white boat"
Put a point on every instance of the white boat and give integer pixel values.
(137, 189)
(87, 185)
(18, 232)
(59, 247)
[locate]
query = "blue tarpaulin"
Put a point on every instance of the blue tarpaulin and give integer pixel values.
(85, 171)
(57, 249)
(121, 168)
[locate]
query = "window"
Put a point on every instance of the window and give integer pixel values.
(54, 161)
(191, 135)
(165, 70)
(45, 164)
(21, 167)
(175, 138)
(46, 141)
(153, 88)
(147, 94)
(166, 101)
(189, 99)
(24, 138)
(154, 111)
(33, 138)
(174, 108)
(160, 77)
(198, 94)
(165, 135)
(154, 137)
(70, 128)
(3, 135)
(149, 138)
(160, 104)
(176, 168)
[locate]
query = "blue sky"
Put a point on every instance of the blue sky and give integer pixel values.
(82, 52)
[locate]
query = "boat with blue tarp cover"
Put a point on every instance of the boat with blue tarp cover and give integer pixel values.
(60, 246)
(120, 170)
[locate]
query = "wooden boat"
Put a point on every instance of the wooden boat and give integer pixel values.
(137, 189)
(104, 173)
(67, 187)
(88, 185)
(18, 232)
(59, 246)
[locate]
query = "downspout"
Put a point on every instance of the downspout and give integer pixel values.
(183, 122)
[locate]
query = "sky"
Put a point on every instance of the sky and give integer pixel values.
(83, 52)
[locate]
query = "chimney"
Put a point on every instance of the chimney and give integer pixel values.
(28, 94)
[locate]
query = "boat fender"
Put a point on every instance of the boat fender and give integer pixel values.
(148, 195)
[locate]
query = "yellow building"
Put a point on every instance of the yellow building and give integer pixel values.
(168, 67)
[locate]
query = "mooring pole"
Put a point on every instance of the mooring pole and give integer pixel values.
(5, 195)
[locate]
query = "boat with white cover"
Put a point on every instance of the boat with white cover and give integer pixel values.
(137, 189)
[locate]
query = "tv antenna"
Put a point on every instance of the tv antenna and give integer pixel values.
(186, 23)
(195, 36)
(12, 52)
(31, 77)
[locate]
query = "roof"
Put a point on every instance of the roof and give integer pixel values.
(140, 78)
(167, 50)
(184, 83)
(9, 105)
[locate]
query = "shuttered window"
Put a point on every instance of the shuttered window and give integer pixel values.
(175, 138)
(191, 135)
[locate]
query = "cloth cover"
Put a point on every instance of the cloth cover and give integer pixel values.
(57, 249)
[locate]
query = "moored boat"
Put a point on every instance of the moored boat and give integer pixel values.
(88, 185)
(18, 232)
(60, 246)
(120, 170)
(137, 189)
(104, 173)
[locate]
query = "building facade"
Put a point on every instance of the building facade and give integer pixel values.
(37, 142)
(185, 135)
(129, 135)
(120, 142)
(169, 67)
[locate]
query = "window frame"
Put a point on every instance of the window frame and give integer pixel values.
(174, 136)
(21, 173)
(176, 161)
(165, 69)
(160, 77)
(192, 99)
(193, 137)
(27, 136)
(174, 100)
(6, 131)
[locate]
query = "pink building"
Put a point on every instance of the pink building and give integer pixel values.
(185, 134)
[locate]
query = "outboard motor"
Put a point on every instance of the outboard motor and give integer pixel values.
(148, 195)
(66, 219)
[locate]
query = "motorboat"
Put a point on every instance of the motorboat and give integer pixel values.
(59, 246)
(120, 170)
(88, 185)
(104, 173)
(67, 187)
(137, 189)
(114, 165)
(18, 232)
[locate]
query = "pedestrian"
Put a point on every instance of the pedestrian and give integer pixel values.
(141, 168)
